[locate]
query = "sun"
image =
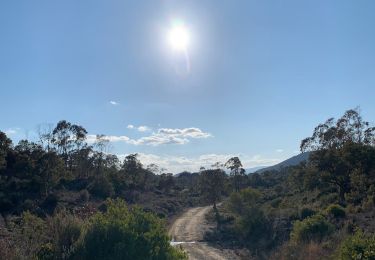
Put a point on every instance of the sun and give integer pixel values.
(178, 37)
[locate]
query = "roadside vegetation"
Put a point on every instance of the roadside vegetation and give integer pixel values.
(320, 209)
(65, 198)
(56, 199)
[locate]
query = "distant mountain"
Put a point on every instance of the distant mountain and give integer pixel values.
(295, 160)
(254, 169)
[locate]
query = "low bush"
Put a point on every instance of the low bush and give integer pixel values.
(252, 227)
(250, 223)
(50, 202)
(84, 196)
(336, 211)
(65, 229)
(313, 228)
(306, 212)
(121, 233)
(29, 234)
(101, 187)
(358, 246)
(276, 202)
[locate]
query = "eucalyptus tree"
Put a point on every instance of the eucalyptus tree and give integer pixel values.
(68, 137)
(5, 145)
(211, 184)
(237, 172)
(341, 151)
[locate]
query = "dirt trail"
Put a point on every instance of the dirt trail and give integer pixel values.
(190, 227)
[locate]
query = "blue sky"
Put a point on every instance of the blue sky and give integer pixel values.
(262, 74)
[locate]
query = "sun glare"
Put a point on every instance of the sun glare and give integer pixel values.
(178, 38)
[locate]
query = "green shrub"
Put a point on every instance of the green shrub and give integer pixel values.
(276, 202)
(312, 228)
(358, 246)
(336, 211)
(101, 187)
(252, 226)
(29, 234)
(121, 233)
(5, 204)
(28, 205)
(84, 196)
(45, 252)
(306, 212)
(51, 201)
(240, 201)
(329, 198)
(65, 230)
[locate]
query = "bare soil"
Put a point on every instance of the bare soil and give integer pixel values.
(190, 228)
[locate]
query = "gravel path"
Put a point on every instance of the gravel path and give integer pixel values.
(189, 229)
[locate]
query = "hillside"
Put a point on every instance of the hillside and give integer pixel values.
(293, 161)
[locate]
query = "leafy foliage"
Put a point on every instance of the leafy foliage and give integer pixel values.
(358, 246)
(237, 173)
(312, 228)
(123, 233)
(343, 153)
(212, 185)
(336, 211)
(251, 224)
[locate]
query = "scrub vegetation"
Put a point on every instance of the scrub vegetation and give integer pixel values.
(64, 198)
(322, 208)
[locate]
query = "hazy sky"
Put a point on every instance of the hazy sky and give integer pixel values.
(262, 74)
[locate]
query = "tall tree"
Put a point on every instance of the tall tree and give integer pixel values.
(45, 136)
(350, 128)
(49, 170)
(212, 185)
(336, 146)
(101, 144)
(5, 144)
(236, 172)
(133, 169)
(67, 137)
(166, 181)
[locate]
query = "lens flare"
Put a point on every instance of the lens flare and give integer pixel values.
(178, 37)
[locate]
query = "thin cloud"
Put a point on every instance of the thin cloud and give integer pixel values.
(162, 136)
(171, 136)
(143, 128)
(114, 103)
(280, 150)
(12, 131)
(191, 132)
(112, 138)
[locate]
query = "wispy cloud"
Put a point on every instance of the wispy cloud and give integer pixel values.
(162, 136)
(279, 150)
(12, 131)
(114, 103)
(143, 128)
(192, 132)
(112, 138)
(176, 164)
(171, 136)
